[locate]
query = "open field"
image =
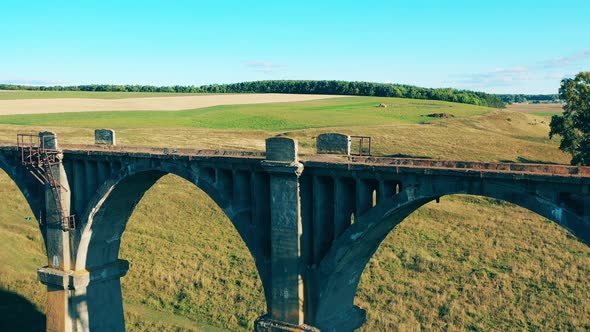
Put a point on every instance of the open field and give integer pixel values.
(537, 109)
(25, 94)
(147, 102)
(468, 263)
(479, 134)
(332, 112)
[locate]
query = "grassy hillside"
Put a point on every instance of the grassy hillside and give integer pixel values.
(21, 253)
(333, 112)
(495, 136)
(466, 263)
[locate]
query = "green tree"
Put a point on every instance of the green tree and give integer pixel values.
(574, 125)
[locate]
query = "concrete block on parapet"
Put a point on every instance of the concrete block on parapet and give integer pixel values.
(283, 149)
(48, 140)
(333, 143)
(105, 137)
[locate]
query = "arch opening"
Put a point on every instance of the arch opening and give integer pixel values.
(187, 259)
(22, 252)
(475, 263)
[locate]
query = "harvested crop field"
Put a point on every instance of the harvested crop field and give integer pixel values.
(167, 103)
(538, 109)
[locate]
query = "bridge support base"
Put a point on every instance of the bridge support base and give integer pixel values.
(265, 324)
(85, 300)
(349, 320)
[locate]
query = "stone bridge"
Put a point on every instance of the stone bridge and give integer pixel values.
(311, 224)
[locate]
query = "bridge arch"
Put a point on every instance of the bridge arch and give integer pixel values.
(32, 190)
(108, 212)
(21, 295)
(338, 274)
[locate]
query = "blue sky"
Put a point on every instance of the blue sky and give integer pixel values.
(494, 46)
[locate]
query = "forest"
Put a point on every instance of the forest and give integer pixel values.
(296, 87)
(534, 99)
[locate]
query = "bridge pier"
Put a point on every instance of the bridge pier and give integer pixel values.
(57, 205)
(92, 297)
(287, 268)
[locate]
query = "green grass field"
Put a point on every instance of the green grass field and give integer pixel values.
(333, 112)
(468, 263)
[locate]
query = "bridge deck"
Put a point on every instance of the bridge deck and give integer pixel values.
(336, 161)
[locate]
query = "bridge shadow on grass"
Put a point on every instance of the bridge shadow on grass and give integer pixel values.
(18, 314)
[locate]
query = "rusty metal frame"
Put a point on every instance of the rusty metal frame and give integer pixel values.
(362, 140)
(39, 161)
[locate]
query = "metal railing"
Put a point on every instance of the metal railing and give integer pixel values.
(364, 145)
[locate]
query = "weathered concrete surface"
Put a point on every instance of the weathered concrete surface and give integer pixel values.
(57, 205)
(282, 149)
(287, 281)
(285, 234)
(93, 297)
(105, 137)
(48, 140)
(294, 216)
(58, 318)
(333, 143)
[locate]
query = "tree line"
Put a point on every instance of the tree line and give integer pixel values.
(296, 87)
(521, 98)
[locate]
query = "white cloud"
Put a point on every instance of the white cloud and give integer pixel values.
(496, 77)
(28, 81)
(552, 70)
(263, 66)
(568, 61)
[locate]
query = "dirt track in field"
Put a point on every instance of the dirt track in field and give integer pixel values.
(66, 105)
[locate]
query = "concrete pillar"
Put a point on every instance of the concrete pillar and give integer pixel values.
(323, 216)
(242, 190)
(344, 200)
(57, 206)
(260, 196)
(224, 183)
(105, 137)
(364, 196)
(286, 305)
(78, 195)
(90, 179)
(93, 297)
(102, 171)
